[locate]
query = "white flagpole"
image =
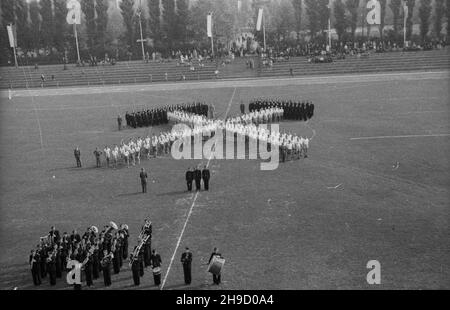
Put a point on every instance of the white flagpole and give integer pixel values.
(212, 37)
(76, 41)
(404, 25)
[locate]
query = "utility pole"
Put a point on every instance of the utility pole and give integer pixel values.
(139, 13)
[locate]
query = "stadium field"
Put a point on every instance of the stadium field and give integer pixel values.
(376, 185)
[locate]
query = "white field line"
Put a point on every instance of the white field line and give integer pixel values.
(191, 209)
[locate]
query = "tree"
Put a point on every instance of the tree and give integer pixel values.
(383, 4)
(169, 21)
(126, 7)
(324, 14)
(340, 19)
(101, 22)
(47, 24)
(154, 12)
(438, 15)
(352, 7)
(21, 21)
(88, 8)
(313, 16)
(61, 27)
(395, 8)
(298, 10)
(35, 24)
(182, 20)
(424, 16)
(447, 10)
(409, 20)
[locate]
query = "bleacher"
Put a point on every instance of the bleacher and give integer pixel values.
(121, 73)
(374, 62)
(154, 72)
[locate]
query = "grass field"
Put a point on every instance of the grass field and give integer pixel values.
(310, 224)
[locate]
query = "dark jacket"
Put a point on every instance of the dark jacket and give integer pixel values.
(205, 174)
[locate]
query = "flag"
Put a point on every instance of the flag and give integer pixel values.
(374, 15)
(74, 12)
(12, 35)
(405, 9)
(209, 25)
(259, 21)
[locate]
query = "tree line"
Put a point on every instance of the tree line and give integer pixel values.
(170, 25)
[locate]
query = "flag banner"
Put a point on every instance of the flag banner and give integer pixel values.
(11, 36)
(374, 15)
(74, 12)
(259, 21)
(405, 9)
(209, 25)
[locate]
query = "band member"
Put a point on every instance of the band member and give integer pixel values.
(206, 176)
(51, 267)
(147, 248)
(198, 178)
(156, 267)
(58, 261)
(189, 178)
(43, 260)
(106, 267)
(77, 154)
(124, 234)
(216, 278)
(186, 260)
(88, 269)
(53, 235)
(35, 268)
(143, 175)
(135, 269)
(95, 263)
(117, 255)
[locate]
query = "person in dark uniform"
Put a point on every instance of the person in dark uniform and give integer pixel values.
(186, 260)
(242, 106)
(106, 267)
(135, 270)
(216, 278)
(206, 176)
(189, 178)
(77, 155)
(58, 262)
(156, 266)
(51, 267)
(88, 270)
(198, 178)
(95, 264)
(143, 175)
(119, 122)
(97, 154)
(35, 269)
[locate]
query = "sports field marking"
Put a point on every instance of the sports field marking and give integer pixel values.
(399, 137)
(192, 206)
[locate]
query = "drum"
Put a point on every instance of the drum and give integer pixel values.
(216, 265)
(156, 270)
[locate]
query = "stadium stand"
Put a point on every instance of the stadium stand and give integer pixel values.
(139, 72)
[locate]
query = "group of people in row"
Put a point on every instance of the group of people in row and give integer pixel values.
(97, 252)
(293, 110)
(158, 116)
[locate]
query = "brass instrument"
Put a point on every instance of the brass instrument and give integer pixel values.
(112, 226)
(135, 254)
(110, 255)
